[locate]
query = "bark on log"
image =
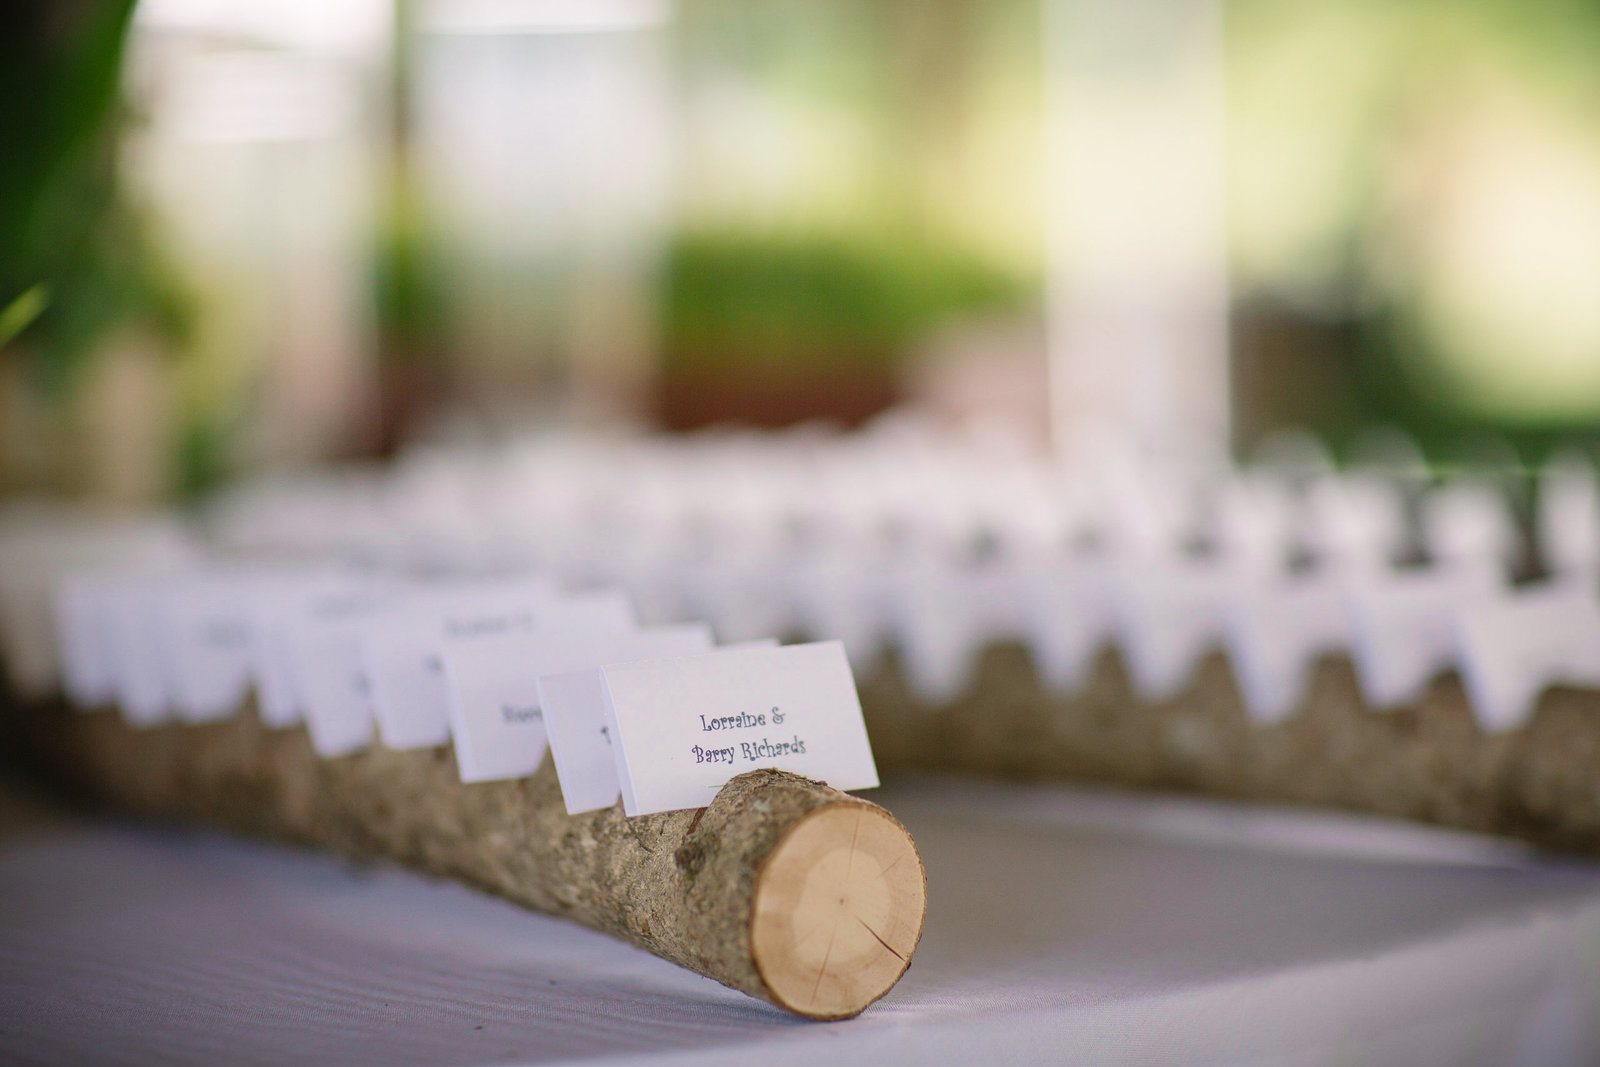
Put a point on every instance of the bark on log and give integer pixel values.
(783, 888)
(1430, 761)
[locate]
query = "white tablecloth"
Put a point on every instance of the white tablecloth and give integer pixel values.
(1063, 926)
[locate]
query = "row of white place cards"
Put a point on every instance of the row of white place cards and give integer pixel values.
(471, 663)
(830, 537)
(353, 654)
(1515, 648)
(843, 541)
(402, 656)
(1165, 611)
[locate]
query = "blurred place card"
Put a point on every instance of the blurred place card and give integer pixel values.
(1569, 516)
(159, 642)
(1066, 605)
(1356, 520)
(271, 608)
(841, 593)
(1168, 614)
(1469, 523)
(324, 654)
(84, 640)
(204, 630)
(130, 617)
(682, 728)
(495, 714)
(742, 601)
(1515, 646)
(1255, 521)
(1401, 635)
(943, 616)
(574, 708)
(401, 652)
(1277, 627)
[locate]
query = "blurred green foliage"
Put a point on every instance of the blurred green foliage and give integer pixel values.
(1396, 166)
(410, 285)
(851, 178)
(23, 309)
(812, 300)
(67, 236)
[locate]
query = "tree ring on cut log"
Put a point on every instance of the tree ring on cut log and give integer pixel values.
(837, 910)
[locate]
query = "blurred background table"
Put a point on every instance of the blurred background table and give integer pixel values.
(1063, 926)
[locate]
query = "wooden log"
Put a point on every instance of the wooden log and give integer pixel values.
(783, 887)
(1430, 761)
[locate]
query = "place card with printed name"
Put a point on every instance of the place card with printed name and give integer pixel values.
(684, 727)
(574, 709)
(495, 715)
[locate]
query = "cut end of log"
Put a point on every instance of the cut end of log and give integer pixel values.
(837, 911)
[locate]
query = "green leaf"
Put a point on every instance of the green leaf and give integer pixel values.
(16, 316)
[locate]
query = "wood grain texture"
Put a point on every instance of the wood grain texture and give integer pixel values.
(837, 911)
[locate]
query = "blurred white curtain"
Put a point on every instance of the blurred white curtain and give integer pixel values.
(1138, 294)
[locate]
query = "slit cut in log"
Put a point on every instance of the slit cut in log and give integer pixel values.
(783, 888)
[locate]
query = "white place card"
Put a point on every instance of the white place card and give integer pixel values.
(1168, 614)
(271, 608)
(1148, 513)
(130, 616)
(1276, 629)
(1469, 523)
(840, 592)
(1402, 628)
(683, 727)
(574, 708)
(84, 640)
(40, 546)
(1569, 516)
(656, 587)
(943, 615)
(1356, 520)
(1066, 604)
(1515, 646)
(204, 630)
(401, 653)
(1255, 521)
(742, 600)
(496, 720)
(324, 656)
